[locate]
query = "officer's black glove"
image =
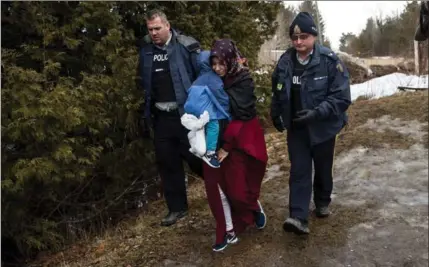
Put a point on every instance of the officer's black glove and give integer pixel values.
(278, 123)
(144, 128)
(306, 116)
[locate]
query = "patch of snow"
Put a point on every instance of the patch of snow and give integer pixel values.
(386, 176)
(387, 85)
(396, 181)
(385, 57)
(260, 71)
(273, 172)
(377, 244)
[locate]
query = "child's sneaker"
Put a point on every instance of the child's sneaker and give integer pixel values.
(211, 159)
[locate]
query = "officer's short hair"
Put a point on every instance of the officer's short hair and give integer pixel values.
(154, 13)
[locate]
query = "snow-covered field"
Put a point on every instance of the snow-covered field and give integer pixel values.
(387, 85)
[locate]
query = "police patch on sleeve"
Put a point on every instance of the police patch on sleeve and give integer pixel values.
(279, 86)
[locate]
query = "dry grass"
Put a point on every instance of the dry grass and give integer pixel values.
(142, 242)
(406, 106)
(363, 98)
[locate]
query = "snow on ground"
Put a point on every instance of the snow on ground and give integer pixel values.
(387, 85)
(261, 71)
(392, 186)
(381, 86)
(396, 182)
(273, 172)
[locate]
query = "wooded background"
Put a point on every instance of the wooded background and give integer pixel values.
(388, 36)
(73, 160)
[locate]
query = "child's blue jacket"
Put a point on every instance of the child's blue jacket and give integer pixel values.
(207, 93)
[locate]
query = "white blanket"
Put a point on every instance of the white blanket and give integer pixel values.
(196, 136)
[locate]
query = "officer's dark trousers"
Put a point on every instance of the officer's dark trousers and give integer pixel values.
(302, 156)
(171, 148)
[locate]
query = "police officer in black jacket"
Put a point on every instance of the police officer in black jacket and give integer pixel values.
(311, 93)
(167, 67)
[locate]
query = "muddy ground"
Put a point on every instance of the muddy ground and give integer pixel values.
(380, 207)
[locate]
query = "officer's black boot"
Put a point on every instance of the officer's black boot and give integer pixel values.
(173, 217)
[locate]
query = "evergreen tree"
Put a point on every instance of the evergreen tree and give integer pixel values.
(311, 7)
(248, 23)
(70, 142)
(389, 36)
(346, 42)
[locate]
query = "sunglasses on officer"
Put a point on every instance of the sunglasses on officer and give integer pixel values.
(303, 36)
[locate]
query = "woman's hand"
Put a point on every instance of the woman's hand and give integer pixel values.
(222, 154)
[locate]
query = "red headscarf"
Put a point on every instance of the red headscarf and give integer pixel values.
(227, 51)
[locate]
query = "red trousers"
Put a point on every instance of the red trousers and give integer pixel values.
(240, 178)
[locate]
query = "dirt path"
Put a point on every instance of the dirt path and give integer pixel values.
(394, 184)
(380, 209)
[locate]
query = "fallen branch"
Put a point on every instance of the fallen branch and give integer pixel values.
(403, 88)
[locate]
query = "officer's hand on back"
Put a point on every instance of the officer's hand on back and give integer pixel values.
(306, 116)
(278, 124)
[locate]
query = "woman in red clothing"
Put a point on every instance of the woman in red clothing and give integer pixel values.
(242, 152)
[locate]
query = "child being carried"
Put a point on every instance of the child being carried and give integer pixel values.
(207, 94)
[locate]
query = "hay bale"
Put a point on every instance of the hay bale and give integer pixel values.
(381, 70)
(359, 71)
